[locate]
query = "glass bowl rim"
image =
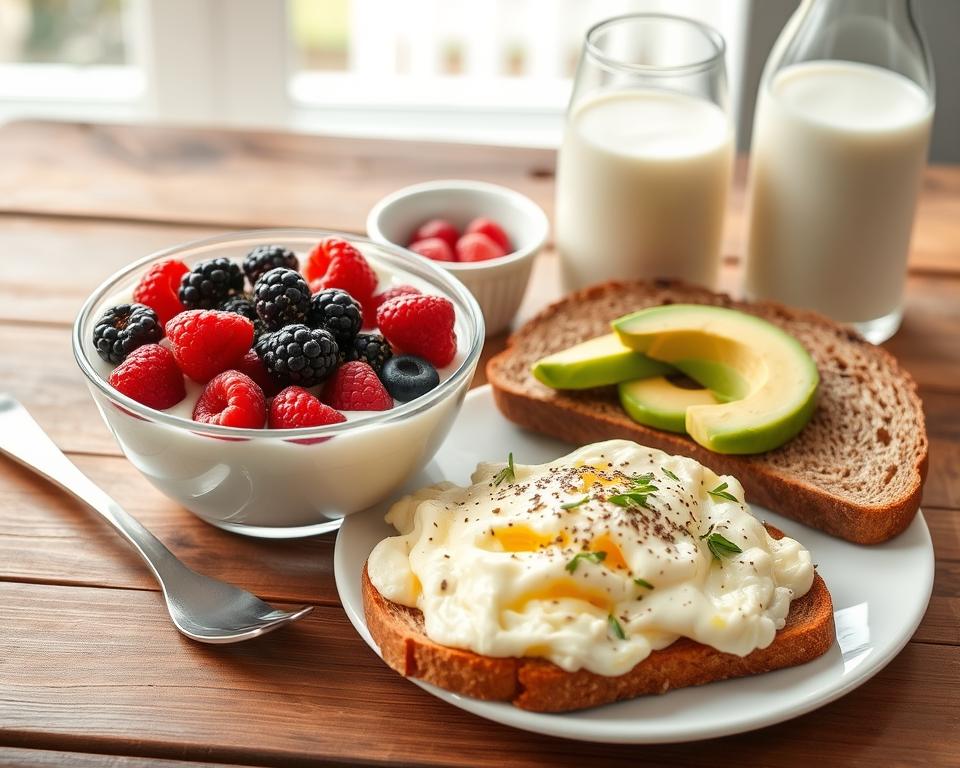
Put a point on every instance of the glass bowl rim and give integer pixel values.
(712, 34)
(398, 258)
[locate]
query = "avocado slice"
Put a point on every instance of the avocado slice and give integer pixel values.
(596, 363)
(767, 376)
(659, 402)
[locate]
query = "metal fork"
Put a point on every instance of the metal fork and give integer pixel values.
(202, 608)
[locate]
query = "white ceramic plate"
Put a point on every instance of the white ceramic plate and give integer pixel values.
(879, 593)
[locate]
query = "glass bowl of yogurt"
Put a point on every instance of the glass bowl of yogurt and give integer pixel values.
(283, 483)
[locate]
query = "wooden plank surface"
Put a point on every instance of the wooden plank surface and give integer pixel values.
(291, 685)
(79, 614)
(46, 758)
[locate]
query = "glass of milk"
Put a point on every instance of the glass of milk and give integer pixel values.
(645, 164)
(840, 141)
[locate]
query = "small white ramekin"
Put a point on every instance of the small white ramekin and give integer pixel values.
(497, 284)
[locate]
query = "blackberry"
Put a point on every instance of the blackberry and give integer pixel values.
(123, 328)
(299, 355)
(281, 297)
(263, 258)
(407, 377)
(338, 312)
(210, 283)
(369, 348)
(242, 304)
(260, 336)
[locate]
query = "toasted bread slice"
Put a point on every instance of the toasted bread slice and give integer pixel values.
(855, 471)
(541, 686)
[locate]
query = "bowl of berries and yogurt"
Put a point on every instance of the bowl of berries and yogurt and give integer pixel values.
(274, 381)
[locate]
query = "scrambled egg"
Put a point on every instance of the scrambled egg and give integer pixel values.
(593, 560)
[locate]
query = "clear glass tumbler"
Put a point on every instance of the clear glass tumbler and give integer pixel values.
(644, 169)
(840, 142)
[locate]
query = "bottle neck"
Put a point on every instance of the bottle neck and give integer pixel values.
(881, 33)
(896, 13)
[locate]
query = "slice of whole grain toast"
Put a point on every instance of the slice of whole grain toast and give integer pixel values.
(855, 471)
(541, 686)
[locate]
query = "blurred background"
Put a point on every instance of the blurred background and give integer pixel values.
(489, 71)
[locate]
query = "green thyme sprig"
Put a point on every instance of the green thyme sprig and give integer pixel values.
(669, 474)
(720, 546)
(575, 504)
(636, 495)
(615, 627)
(593, 557)
(507, 473)
(642, 583)
(721, 492)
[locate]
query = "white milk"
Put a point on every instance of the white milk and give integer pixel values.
(838, 152)
(641, 188)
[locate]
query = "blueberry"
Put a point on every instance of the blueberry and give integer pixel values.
(407, 377)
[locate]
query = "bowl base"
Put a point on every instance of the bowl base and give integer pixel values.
(260, 532)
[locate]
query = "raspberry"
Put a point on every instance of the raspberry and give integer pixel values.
(421, 326)
(209, 283)
(319, 259)
(369, 348)
(263, 258)
(369, 313)
(295, 407)
(123, 328)
(282, 297)
(437, 228)
(206, 341)
(150, 376)
(231, 399)
(240, 305)
(318, 262)
(492, 230)
(343, 266)
(338, 312)
(253, 366)
(356, 387)
(370, 307)
(159, 286)
(433, 248)
(478, 247)
(392, 293)
(299, 354)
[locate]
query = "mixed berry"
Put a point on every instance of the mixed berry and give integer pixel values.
(274, 347)
(440, 240)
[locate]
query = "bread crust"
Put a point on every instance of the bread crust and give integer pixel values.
(778, 480)
(541, 686)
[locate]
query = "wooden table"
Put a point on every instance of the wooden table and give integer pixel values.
(89, 662)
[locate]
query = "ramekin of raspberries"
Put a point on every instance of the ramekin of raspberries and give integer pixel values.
(276, 339)
(486, 235)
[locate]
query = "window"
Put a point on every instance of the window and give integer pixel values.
(66, 56)
(469, 70)
(484, 71)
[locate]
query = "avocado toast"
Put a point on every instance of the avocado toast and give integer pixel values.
(855, 471)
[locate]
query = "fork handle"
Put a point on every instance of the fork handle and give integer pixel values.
(23, 440)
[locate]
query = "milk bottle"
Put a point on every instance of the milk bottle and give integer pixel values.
(839, 147)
